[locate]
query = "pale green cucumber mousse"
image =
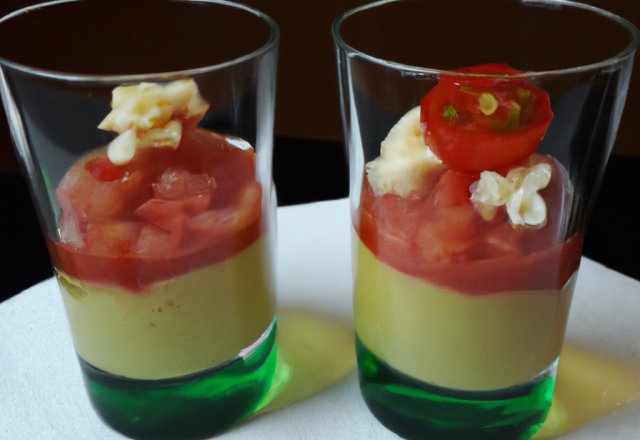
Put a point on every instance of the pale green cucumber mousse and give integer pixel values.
(438, 364)
(184, 358)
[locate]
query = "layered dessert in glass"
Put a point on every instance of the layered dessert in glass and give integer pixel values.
(165, 269)
(463, 270)
(470, 192)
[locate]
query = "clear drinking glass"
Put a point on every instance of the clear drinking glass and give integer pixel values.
(478, 132)
(144, 129)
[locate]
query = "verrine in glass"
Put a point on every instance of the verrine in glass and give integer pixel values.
(477, 135)
(145, 131)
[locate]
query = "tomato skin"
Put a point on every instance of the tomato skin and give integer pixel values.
(466, 138)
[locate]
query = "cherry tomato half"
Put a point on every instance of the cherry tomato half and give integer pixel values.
(482, 123)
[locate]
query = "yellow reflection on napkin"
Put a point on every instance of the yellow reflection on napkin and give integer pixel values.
(314, 352)
(588, 386)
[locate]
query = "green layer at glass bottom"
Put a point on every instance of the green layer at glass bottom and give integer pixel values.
(189, 407)
(417, 410)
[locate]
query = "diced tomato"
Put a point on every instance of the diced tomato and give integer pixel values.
(250, 195)
(448, 238)
(161, 212)
(71, 230)
(156, 242)
(215, 224)
(113, 237)
(179, 183)
(103, 170)
(232, 170)
(442, 238)
(501, 241)
(453, 189)
(94, 200)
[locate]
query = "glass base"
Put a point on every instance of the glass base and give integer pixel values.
(189, 407)
(417, 410)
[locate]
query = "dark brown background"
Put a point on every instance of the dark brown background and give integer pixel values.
(307, 99)
(309, 163)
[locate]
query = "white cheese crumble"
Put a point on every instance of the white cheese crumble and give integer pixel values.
(404, 160)
(146, 115)
(518, 191)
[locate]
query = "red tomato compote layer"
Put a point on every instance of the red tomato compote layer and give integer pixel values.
(166, 212)
(437, 233)
(441, 238)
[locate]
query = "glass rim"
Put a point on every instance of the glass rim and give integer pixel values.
(424, 71)
(272, 41)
